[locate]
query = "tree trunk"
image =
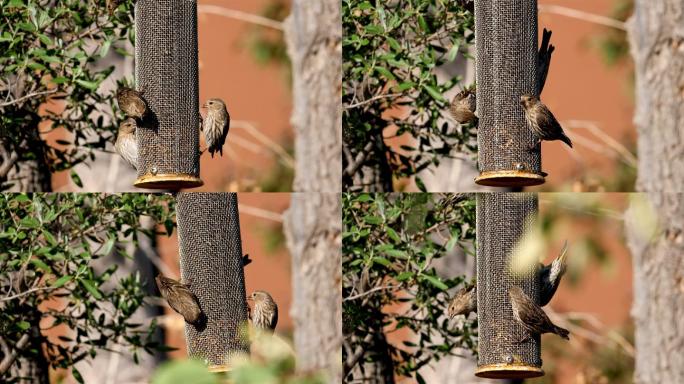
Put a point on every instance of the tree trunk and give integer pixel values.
(314, 39)
(658, 306)
(312, 223)
(20, 175)
(314, 236)
(656, 33)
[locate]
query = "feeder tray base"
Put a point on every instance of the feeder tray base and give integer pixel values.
(508, 371)
(168, 181)
(509, 179)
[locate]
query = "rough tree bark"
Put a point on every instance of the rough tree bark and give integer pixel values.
(658, 305)
(314, 40)
(312, 224)
(656, 33)
(313, 230)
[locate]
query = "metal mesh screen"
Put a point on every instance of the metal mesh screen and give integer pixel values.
(166, 70)
(211, 259)
(502, 221)
(506, 43)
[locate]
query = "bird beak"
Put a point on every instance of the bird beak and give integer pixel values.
(249, 298)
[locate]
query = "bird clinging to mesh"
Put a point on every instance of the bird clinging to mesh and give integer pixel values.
(126, 144)
(541, 121)
(463, 106)
(131, 102)
(265, 313)
(463, 302)
(531, 316)
(550, 276)
(215, 125)
(180, 298)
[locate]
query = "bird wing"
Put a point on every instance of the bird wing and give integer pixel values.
(547, 119)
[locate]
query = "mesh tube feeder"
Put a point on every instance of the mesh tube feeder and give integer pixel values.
(167, 73)
(502, 221)
(211, 260)
(506, 68)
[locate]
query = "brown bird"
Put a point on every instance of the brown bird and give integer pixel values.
(265, 314)
(463, 106)
(531, 316)
(215, 125)
(131, 102)
(542, 122)
(180, 298)
(126, 144)
(550, 276)
(112, 5)
(463, 302)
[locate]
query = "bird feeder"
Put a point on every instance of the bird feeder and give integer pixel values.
(167, 73)
(506, 68)
(211, 261)
(503, 219)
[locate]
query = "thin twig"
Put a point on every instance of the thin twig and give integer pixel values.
(380, 288)
(262, 213)
(354, 358)
(266, 141)
(581, 15)
(8, 360)
(360, 158)
(372, 99)
(8, 298)
(34, 94)
(240, 15)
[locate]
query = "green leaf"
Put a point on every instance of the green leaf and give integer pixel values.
(381, 261)
(29, 222)
(75, 177)
(61, 281)
(24, 325)
(91, 85)
(90, 287)
(434, 93)
(393, 235)
(375, 220)
(385, 72)
(404, 276)
(436, 282)
(40, 264)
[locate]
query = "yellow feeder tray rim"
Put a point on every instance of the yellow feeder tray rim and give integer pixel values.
(511, 178)
(508, 371)
(168, 181)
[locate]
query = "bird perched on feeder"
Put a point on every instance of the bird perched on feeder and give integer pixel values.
(265, 313)
(215, 125)
(131, 102)
(531, 316)
(541, 121)
(550, 276)
(180, 298)
(463, 302)
(126, 144)
(463, 106)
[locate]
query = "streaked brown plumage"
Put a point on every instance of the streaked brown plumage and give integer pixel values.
(463, 302)
(126, 144)
(463, 106)
(531, 316)
(112, 5)
(216, 125)
(265, 313)
(550, 276)
(180, 298)
(541, 121)
(131, 102)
